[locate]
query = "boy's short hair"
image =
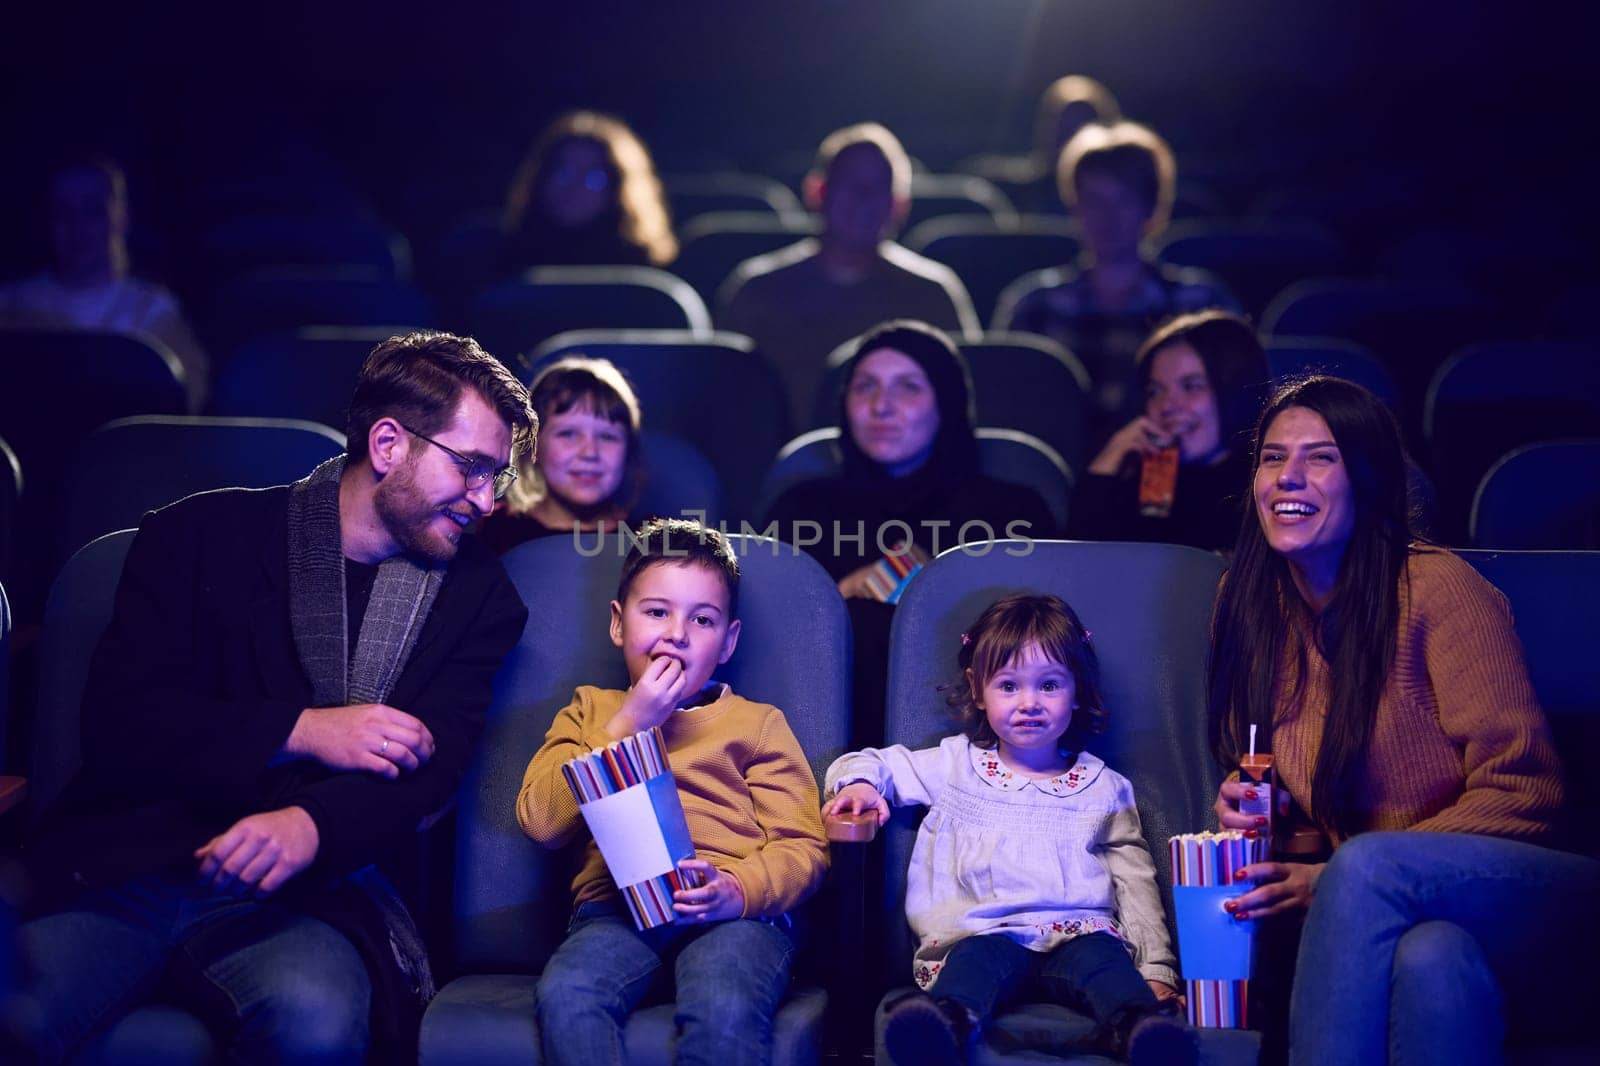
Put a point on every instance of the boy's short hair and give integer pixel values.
(681, 542)
(1133, 155)
(871, 134)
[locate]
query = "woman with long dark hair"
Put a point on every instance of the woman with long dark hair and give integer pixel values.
(1386, 678)
(587, 193)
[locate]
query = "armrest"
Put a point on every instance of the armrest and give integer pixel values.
(851, 828)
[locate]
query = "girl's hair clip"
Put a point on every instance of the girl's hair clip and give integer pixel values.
(1086, 635)
(965, 640)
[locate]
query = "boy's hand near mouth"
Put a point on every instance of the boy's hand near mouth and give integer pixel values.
(652, 698)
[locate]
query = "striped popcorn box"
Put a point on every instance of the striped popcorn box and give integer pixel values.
(629, 799)
(1214, 947)
(889, 576)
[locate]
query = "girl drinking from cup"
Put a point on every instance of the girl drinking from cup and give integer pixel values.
(1016, 786)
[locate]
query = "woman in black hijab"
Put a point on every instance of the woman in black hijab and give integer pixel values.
(909, 487)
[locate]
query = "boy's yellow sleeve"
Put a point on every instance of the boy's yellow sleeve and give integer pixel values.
(546, 808)
(790, 864)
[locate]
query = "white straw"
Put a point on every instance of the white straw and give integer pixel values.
(1252, 741)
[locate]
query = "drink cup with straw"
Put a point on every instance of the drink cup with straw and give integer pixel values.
(1255, 772)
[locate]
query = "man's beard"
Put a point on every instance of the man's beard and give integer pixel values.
(407, 516)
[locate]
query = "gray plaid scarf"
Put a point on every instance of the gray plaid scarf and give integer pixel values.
(364, 906)
(401, 597)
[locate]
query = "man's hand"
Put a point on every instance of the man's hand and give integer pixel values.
(651, 699)
(719, 899)
(371, 737)
(260, 852)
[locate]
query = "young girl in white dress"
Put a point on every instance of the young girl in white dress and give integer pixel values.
(997, 920)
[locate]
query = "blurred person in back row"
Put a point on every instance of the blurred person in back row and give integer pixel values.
(1066, 106)
(1118, 181)
(801, 302)
(587, 193)
(87, 285)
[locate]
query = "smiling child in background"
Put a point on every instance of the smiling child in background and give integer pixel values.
(587, 470)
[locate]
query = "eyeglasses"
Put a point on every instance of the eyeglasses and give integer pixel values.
(476, 471)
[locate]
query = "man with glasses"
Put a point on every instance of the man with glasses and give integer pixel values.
(290, 688)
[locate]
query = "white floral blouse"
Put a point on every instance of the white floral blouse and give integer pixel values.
(979, 862)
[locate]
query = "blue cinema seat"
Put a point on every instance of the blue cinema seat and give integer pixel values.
(1489, 398)
(678, 480)
(944, 195)
(512, 896)
(144, 463)
(1256, 258)
(714, 391)
(1290, 356)
(1003, 454)
(989, 253)
(1543, 496)
(691, 195)
(307, 373)
(58, 386)
(518, 315)
(1553, 601)
(284, 299)
(715, 243)
(1149, 608)
(77, 612)
(299, 239)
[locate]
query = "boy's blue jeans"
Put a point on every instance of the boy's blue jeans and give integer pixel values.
(283, 986)
(727, 980)
(1424, 947)
(1093, 973)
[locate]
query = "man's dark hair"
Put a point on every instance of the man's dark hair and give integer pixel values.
(417, 378)
(681, 542)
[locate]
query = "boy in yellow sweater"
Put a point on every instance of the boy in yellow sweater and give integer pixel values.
(751, 804)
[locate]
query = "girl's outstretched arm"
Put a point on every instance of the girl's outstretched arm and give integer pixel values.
(901, 776)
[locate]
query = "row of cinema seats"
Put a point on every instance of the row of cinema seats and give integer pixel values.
(1148, 604)
(992, 249)
(1258, 252)
(710, 388)
(1542, 495)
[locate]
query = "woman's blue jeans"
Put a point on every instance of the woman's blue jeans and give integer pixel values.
(1430, 947)
(727, 981)
(278, 986)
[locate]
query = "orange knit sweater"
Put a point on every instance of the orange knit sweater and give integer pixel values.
(1460, 744)
(748, 795)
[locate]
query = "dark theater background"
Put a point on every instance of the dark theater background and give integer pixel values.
(1386, 190)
